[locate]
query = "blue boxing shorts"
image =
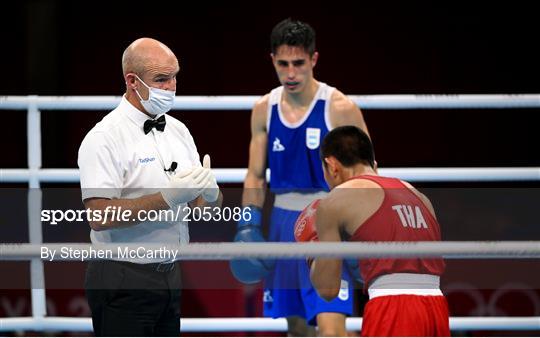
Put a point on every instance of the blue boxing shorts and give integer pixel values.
(288, 290)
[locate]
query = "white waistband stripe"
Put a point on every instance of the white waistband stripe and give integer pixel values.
(405, 284)
(296, 201)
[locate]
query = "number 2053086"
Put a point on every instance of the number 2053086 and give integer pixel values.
(216, 214)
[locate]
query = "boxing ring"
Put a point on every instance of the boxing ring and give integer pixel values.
(34, 175)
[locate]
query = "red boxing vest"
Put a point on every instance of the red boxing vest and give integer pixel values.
(402, 217)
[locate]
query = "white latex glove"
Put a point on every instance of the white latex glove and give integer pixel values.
(186, 186)
(211, 191)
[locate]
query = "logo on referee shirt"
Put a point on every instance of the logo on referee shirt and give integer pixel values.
(146, 160)
(313, 138)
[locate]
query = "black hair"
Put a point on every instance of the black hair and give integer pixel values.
(293, 33)
(350, 145)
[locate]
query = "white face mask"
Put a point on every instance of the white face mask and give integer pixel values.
(159, 101)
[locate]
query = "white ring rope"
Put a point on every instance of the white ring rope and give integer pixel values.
(257, 324)
(238, 175)
(225, 251)
(445, 101)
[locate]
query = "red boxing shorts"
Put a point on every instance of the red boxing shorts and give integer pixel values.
(406, 315)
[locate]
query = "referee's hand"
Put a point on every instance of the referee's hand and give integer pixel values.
(211, 191)
(186, 185)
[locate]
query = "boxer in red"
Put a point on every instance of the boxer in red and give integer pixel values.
(405, 298)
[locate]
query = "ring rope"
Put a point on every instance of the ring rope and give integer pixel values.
(234, 102)
(257, 324)
(228, 250)
(238, 175)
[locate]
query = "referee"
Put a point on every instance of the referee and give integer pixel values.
(140, 159)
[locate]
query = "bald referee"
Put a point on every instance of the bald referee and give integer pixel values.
(140, 159)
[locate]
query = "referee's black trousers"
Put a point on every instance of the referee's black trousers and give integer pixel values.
(128, 299)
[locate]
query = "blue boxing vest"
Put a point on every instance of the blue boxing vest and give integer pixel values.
(293, 148)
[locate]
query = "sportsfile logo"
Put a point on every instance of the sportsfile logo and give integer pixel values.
(146, 160)
(120, 214)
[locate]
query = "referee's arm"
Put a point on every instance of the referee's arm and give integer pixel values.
(106, 206)
(101, 176)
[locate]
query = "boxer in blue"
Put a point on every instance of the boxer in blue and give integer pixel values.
(287, 126)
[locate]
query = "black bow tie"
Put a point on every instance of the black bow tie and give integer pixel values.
(159, 124)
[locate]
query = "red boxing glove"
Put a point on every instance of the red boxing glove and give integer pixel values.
(304, 228)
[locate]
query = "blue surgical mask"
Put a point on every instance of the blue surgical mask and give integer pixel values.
(159, 101)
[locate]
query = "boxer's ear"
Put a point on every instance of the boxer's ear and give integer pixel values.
(332, 165)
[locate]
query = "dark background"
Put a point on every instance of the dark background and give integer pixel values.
(75, 48)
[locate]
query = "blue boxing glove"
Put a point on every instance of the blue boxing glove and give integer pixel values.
(253, 270)
(354, 269)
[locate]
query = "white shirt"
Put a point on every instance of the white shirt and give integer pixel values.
(117, 160)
